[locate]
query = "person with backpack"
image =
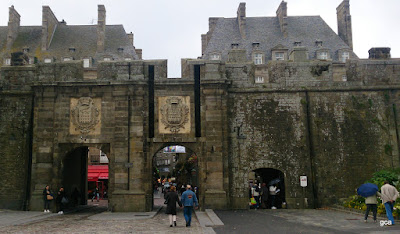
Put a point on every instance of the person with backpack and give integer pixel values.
(255, 192)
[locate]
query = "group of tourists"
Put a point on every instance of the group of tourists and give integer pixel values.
(388, 195)
(263, 196)
(188, 201)
(61, 199)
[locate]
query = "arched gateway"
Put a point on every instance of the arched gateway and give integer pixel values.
(130, 120)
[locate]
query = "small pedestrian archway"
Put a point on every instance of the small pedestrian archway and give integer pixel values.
(80, 174)
(270, 176)
(174, 165)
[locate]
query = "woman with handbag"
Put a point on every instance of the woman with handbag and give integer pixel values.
(171, 199)
(61, 200)
(47, 197)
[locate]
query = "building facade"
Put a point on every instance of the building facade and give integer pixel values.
(299, 102)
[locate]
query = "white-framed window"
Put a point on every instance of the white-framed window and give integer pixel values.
(323, 55)
(128, 59)
(279, 56)
(258, 58)
(86, 62)
(107, 59)
(67, 59)
(345, 56)
(259, 80)
(215, 57)
(47, 60)
(7, 61)
(344, 78)
(31, 60)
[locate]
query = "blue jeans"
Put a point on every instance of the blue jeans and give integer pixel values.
(187, 212)
(389, 210)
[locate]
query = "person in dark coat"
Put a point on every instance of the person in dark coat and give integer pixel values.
(171, 199)
(59, 200)
(47, 199)
(264, 196)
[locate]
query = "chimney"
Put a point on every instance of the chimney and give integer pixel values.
(344, 23)
(130, 37)
(49, 26)
(101, 28)
(379, 53)
(241, 19)
(13, 26)
(204, 43)
(139, 53)
(281, 13)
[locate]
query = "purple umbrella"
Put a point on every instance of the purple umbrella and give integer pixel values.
(367, 189)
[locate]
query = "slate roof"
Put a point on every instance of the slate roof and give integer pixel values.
(267, 32)
(81, 37)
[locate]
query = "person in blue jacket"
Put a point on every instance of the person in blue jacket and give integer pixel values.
(188, 200)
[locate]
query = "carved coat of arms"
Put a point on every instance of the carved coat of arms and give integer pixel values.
(85, 115)
(174, 114)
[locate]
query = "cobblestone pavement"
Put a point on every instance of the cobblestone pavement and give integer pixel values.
(80, 222)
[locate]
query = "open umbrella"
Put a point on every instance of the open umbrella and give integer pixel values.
(367, 190)
(274, 181)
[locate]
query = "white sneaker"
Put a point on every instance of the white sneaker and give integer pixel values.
(273, 208)
(59, 212)
(62, 212)
(45, 211)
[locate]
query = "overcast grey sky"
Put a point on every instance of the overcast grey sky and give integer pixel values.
(171, 29)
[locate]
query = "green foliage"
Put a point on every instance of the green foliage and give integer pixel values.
(378, 178)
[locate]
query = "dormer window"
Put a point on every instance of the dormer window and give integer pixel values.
(25, 50)
(71, 49)
(279, 56)
(256, 45)
(128, 59)
(48, 60)
(120, 50)
(345, 56)
(258, 58)
(234, 46)
(107, 59)
(31, 60)
(86, 62)
(297, 43)
(318, 43)
(7, 61)
(323, 55)
(215, 56)
(66, 59)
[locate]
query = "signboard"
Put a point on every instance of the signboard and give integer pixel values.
(303, 181)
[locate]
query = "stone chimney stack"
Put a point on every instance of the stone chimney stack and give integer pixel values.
(130, 36)
(281, 13)
(101, 28)
(241, 18)
(344, 23)
(13, 26)
(379, 53)
(49, 26)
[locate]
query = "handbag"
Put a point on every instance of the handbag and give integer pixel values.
(64, 200)
(49, 197)
(253, 201)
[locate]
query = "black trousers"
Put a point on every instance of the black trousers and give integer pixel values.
(372, 207)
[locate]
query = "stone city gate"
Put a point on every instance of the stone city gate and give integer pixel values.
(130, 117)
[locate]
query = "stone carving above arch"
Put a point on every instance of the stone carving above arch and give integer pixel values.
(174, 114)
(85, 115)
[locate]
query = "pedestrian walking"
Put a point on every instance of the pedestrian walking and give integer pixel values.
(47, 198)
(389, 194)
(61, 200)
(96, 194)
(264, 196)
(273, 191)
(188, 200)
(371, 202)
(171, 199)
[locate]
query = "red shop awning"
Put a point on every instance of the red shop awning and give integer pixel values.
(97, 172)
